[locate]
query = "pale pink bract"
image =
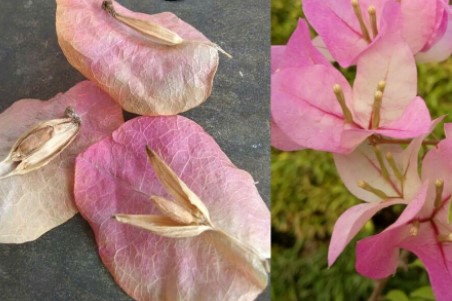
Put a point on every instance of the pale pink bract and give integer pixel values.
(114, 176)
(143, 77)
(36, 202)
(306, 112)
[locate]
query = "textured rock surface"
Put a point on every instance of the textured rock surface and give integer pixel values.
(64, 264)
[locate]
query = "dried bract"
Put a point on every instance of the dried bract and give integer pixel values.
(185, 217)
(150, 64)
(39, 145)
(36, 136)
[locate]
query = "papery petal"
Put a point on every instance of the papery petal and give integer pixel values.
(441, 50)
(353, 137)
(277, 55)
(414, 122)
(377, 256)
(36, 202)
(299, 51)
(350, 223)
(437, 163)
(321, 47)
(419, 21)
(281, 141)
(442, 16)
(391, 60)
(113, 176)
(336, 23)
(142, 76)
(436, 257)
(305, 108)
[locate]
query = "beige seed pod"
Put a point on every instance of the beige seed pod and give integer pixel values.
(39, 145)
(154, 32)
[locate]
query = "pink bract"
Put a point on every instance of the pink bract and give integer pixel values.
(114, 176)
(36, 202)
(143, 77)
(442, 48)
(298, 52)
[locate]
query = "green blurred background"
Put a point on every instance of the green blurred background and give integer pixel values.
(308, 197)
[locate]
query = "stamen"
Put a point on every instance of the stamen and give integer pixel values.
(445, 237)
(414, 228)
(341, 99)
(383, 169)
(439, 186)
(395, 169)
(373, 20)
(376, 108)
(381, 86)
(357, 9)
(364, 185)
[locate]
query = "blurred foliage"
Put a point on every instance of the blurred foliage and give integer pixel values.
(308, 197)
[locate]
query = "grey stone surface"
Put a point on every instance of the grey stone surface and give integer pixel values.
(64, 264)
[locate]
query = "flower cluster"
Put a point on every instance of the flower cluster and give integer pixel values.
(367, 125)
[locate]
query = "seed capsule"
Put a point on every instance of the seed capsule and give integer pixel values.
(154, 32)
(39, 145)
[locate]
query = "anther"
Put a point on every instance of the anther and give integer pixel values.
(376, 108)
(381, 86)
(341, 99)
(414, 228)
(445, 237)
(439, 186)
(358, 13)
(373, 20)
(395, 169)
(383, 169)
(364, 185)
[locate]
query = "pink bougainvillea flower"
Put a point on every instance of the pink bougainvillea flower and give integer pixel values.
(144, 75)
(350, 27)
(114, 177)
(315, 107)
(423, 228)
(380, 175)
(40, 200)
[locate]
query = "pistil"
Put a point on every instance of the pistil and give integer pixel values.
(359, 16)
(341, 99)
(373, 20)
(366, 186)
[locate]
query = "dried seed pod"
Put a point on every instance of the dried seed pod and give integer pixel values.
(153, 31)
(39, 145)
